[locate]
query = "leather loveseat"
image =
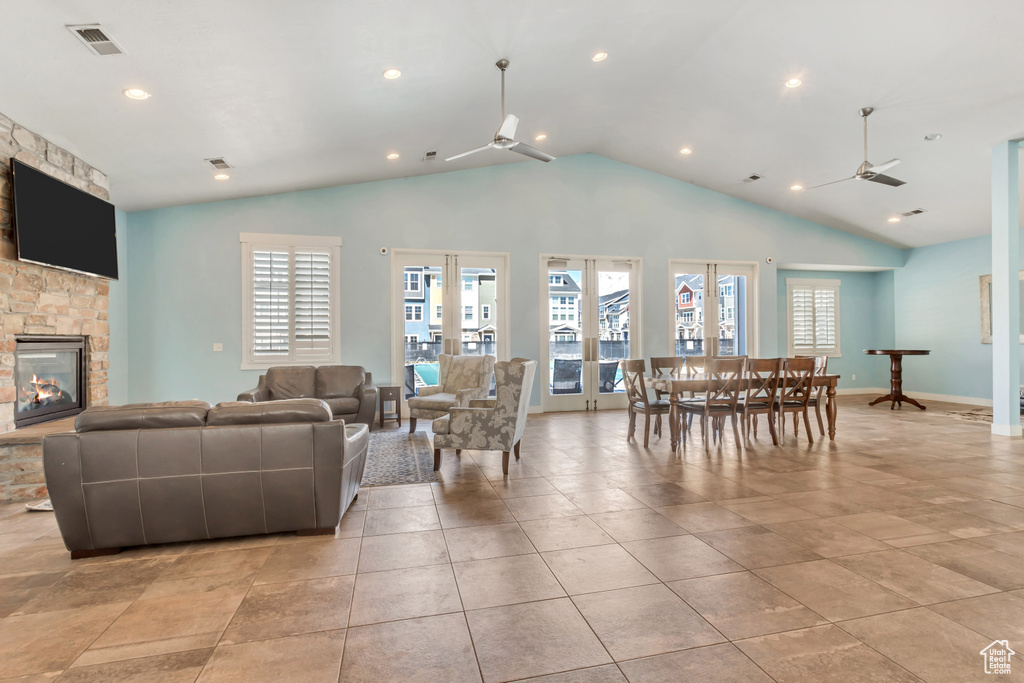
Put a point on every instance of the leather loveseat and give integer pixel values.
(169, 472)
(347, 389)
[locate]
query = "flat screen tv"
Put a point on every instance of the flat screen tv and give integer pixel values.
(59, 225)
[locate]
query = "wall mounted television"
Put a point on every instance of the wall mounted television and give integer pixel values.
(61, 226)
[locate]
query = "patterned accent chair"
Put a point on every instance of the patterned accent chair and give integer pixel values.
(494, 424)
(460, 380)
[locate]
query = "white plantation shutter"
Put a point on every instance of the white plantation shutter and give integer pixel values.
(289, 305)
(813, 317)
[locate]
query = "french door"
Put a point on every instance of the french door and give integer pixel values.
(446, 302)
(713, 308)
(590, 320)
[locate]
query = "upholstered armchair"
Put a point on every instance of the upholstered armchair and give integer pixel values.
(460, 380)
(490, 425)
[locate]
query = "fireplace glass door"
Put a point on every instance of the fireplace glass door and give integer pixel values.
(49, 381)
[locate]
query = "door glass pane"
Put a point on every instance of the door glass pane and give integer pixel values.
(478, 312)
(689, 310)
(612, 328)
(732, 315)
(566, 339)
(422, 315)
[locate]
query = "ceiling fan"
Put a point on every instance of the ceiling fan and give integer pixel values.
(867, 171)
(505, 137)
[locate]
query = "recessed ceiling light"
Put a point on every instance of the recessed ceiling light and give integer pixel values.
(793, 83)
(542, 136)
(393, 156)
(932, 137)
(600, 57)
(136, 94)
(221, 176)
(392, 74)
(686, 150)
(796, 188)
(894, 219)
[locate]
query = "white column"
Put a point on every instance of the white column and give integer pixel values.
(1005, 290)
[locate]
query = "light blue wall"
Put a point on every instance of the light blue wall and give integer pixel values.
(117, 374)
(185, 277)
(861, 324)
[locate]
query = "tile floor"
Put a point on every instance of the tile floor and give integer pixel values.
(895, 553)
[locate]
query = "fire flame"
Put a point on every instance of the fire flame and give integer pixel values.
(45, 388)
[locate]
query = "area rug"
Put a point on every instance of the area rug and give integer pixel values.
(397, 457)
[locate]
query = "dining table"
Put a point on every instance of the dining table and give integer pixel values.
(702, 382)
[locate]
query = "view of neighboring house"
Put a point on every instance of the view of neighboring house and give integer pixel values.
(613, 316)
(690, 306)
(564, 306)
(424, 309)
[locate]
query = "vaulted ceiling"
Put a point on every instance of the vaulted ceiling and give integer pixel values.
(292, 95)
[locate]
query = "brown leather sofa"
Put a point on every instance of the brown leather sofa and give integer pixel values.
(182, 471)
(347, 389)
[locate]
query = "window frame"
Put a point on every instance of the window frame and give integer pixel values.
(408, 278)
(485, 311)
(251, 242)
(815, 285)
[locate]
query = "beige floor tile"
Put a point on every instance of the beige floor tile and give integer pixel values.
(767, 511)
(518, 488)
(742, 605)
(980, 563)
(959, 524)
(597, 568)
(925, 643)
(179, 667)
(662, 495)
(712, 664)
(505, 581)
(486, 541)
(400, 520)
(447, 493)
(287, 609)
(609, 673)
(993, 511)
(604, 500)
(16, 590)
(832, 591)
(404, 594)
(352, 524)
(309, 658)
(680, 557)
(637, 525)
(644, 621)
(51, 641)
(533, 639)
(98, 584)
(399, 551)
(204, 572)
(717, 488)
(1011, 544)
(913, 577)
(473, 513)
(541, 507)
(884, 526)
(823, 654)
(589, 481)
(697, 517)
(239, 543)
(401, 496)
(412, 651)
(756, 546)
(999, 616)
(559, 533)
(312, 560)
(827, 538)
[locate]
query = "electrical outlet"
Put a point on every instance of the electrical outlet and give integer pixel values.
(218, 347)
(855, 377)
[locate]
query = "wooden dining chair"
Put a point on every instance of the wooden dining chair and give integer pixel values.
(761, 393)
(796, 384)
(725, 384)
(636, 394)
(665, 366)
(820, 370)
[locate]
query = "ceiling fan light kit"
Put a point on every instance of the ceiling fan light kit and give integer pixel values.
(867, 170)
(505, 137)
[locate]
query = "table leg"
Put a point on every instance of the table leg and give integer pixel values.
(673, 420)
(830, 412)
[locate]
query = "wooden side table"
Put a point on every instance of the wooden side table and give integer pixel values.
(896, 394)
(394, 395)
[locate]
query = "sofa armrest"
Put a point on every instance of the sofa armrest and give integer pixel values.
(462, 421)
(367, 395)
(258, 395)
(465, 395)
(482, 403)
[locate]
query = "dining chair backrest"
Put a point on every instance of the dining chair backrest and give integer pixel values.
(820, 365)
(668, 366)
(763, 380)
(633, 379)
(797, 380)
(695, 365)
(725, 384)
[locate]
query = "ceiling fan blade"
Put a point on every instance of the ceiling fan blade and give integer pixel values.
(881, 168)
(508, 127)
(472, 151)
(886, 180)
(526, 150)
(832, 183)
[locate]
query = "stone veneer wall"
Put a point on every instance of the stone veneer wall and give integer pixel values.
(40, 300)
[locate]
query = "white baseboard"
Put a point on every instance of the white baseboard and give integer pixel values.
(847, 391)
(533, 410)
(1006, 430)
(969, 400)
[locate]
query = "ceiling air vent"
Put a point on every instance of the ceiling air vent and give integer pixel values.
(912, 213)
(219, 163)
(93, 37)
(752, 177)
(430, 156)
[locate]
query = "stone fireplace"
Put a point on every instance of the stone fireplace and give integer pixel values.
(50, 377)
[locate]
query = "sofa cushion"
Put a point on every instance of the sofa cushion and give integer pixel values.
(335, 381)
(343, 406)
(143, 416)
(274, 412)
(440, 401)
(291, 382)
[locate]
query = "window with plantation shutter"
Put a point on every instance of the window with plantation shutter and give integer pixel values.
(290, 304)
(813, 317)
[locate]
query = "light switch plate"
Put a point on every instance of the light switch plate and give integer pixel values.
(218, 347)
